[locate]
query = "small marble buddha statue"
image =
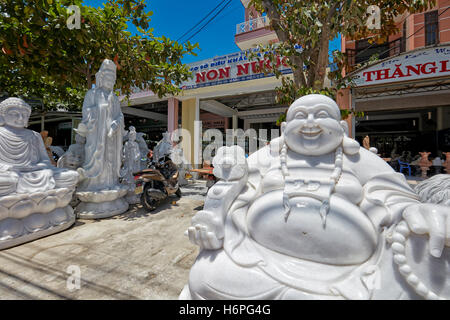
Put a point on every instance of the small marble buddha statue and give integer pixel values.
(143, 148)
(315, 216)
(131, 165)
(29, 183)
(74, 157)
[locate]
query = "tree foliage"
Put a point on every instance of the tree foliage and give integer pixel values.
(41, 57)
(312, 24)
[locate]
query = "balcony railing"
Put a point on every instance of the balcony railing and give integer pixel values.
(251, 25)
(386, 50)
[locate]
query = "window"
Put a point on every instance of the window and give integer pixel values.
(403, 39)
(431, 28)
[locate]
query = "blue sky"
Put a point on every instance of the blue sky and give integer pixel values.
(173, 18)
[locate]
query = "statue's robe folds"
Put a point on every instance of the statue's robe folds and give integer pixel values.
(101, 168)
(245, 269)
(25, 166)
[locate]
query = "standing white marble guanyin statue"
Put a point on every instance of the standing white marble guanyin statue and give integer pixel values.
(131, 165)
(102, 125)
(318, 217)
(34, 195)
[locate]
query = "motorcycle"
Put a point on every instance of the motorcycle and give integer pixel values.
(157, 183)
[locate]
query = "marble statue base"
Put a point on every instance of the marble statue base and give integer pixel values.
(101, 204)
(133, 198)
(25, 218)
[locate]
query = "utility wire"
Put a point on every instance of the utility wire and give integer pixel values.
(362, 51)
(210, 20)
(395, 47)
(196, 25)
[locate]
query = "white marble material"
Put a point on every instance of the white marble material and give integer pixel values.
(435, 189)
(34, 195)
(163, 148)
(131, 165)
(180, 161)
(315, 216)
(102, 125)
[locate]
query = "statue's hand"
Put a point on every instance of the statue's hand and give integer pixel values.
(82, 129)
(43, 165)
(431, 219)
(114, 127)
(206, 232)
(201, 236)
(5, 167)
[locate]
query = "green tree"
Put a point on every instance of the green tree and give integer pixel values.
(312, 24)
(41, 57)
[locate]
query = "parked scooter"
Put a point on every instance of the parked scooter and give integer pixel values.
(157, 182)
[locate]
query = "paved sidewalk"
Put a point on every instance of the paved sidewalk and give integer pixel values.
(136, 255)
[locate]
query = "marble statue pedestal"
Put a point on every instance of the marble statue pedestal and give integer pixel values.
(25, 217)
(101, 204)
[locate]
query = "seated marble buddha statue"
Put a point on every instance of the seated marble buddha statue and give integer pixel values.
(24, 163)
(34, 195)
(315, 216)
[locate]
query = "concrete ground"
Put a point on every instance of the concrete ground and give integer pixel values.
(136, 255)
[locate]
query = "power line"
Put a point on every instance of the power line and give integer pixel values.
(210, 20)
(396, 46)
(201, 20)
(362, 51)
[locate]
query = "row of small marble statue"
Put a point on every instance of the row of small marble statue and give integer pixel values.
(36, 197)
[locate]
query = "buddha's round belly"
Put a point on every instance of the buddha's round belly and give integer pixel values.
(347, 238)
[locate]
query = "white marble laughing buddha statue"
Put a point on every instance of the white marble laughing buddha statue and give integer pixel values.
(99, 191)
(34, 195)
(318, 217)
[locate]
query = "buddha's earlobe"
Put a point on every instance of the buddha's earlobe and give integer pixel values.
(350, 146)
(344, 126)
(283, 127)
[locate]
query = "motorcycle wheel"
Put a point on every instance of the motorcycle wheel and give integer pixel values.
(148, 202)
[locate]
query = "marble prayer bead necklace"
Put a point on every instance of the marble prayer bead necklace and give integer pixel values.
(334, 178)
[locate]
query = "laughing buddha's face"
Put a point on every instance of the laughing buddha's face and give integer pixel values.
(312, 126)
